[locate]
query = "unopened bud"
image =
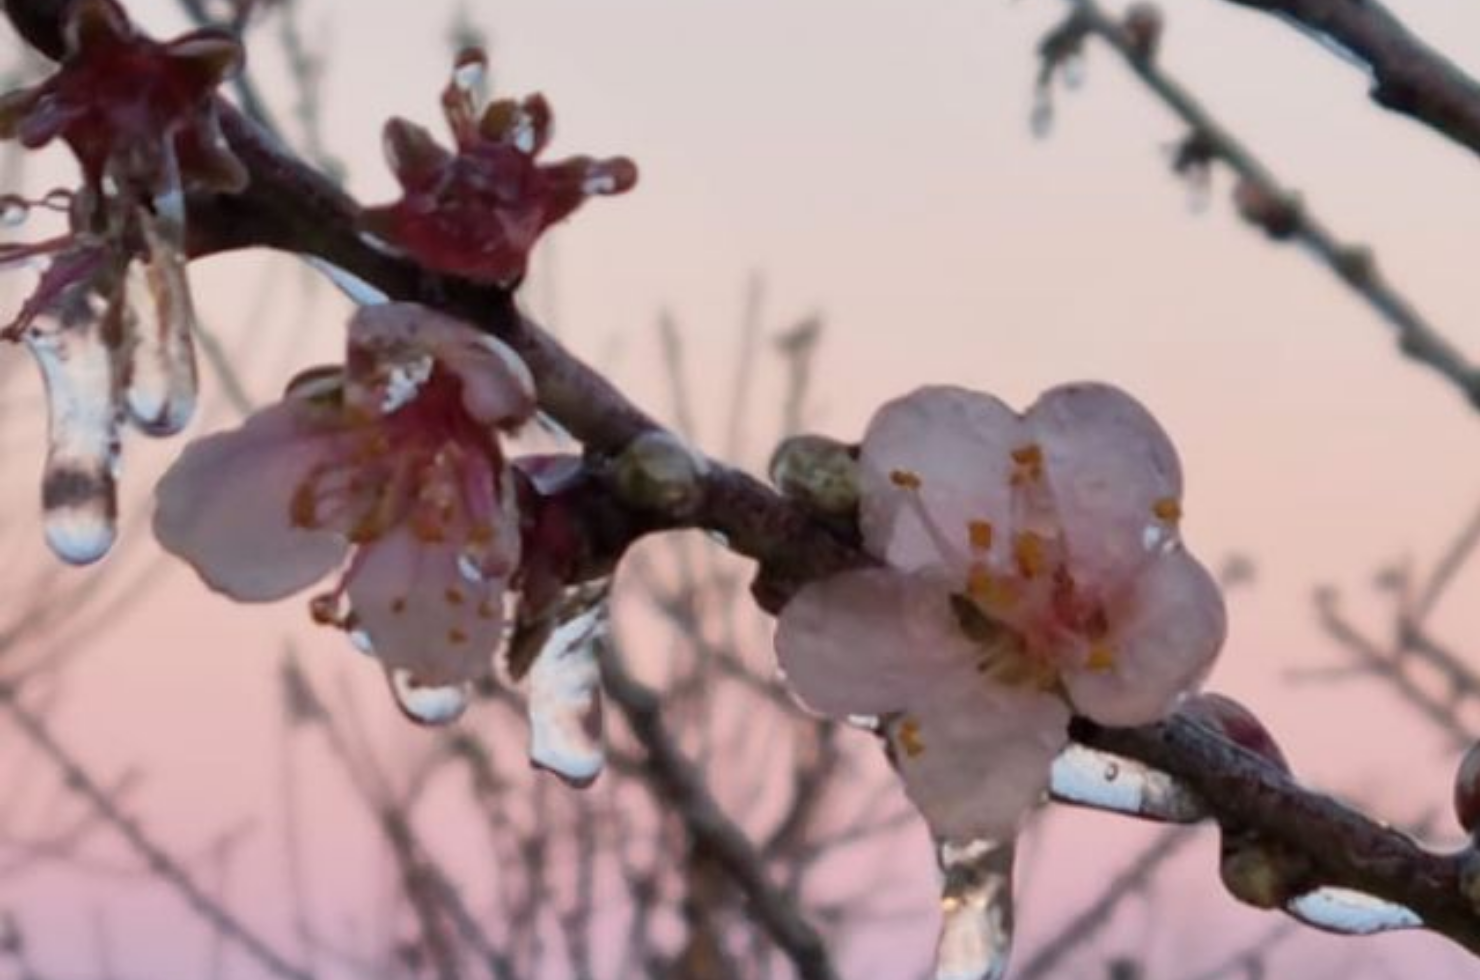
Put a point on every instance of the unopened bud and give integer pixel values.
(817, 472)
(659, 472)
(1236, 723)
(1143, 24)
(1277, 214)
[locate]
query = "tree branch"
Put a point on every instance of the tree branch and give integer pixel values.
(1284, 216)
(1408, 76)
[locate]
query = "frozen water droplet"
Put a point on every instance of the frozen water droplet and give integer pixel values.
(976, 910)
(1072, 70)
(429, 704)
(404, 381)
(161, 389)
(350, 284)
(59, 199)
(1040, 119)
(360, 640)
(13, 212)
(869, 723)
(719, 538)
(1088, 777)
(469, 568)
(565, 699)
(79, 488)
(1352, 913)
(470, 74)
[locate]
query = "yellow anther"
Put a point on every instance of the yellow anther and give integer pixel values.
(981, 534)
(910, 739)
(454, 597)
(907, 479)
(456, 636)
(398, 604)
(1167, 509)
(1101, 658)
(485, 610)
(1028, 552)
(1029, 460)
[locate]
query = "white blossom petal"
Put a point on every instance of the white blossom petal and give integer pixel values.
(1163, 640)
(959, 444)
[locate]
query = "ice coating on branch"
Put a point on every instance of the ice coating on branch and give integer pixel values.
(565, 700)
(1351, 913)
(1032, 569)
(1089, 777)
(976, 910)
(79, 488)
(393, 462)
(478, 209)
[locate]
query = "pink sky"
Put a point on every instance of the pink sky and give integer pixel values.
(874, 159)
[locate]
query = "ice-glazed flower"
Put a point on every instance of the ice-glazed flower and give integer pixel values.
(393, 462)
(134, 111)
(478, 211)
(1032, 569)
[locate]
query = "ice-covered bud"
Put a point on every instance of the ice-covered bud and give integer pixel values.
(1276, 214)
(1143, 25)
(1467, 791)
(819, 473)
(1236, 723)
(658, 471)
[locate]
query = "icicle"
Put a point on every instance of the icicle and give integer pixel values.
(1352, 913)
(79, 488)
(428, 704)
(160, 392)
(565, 699)
(976, 910)
(1089, 777)
(351, 285)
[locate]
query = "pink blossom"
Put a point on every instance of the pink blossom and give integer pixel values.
(393, 462)
(477, 211)
(1033, 569)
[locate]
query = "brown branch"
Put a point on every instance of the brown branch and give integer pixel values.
(677, 782)
(1408, 76)
(1285, 217)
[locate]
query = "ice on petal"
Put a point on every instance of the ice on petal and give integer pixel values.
(976, 910)
(13, 211)
(429, 704)
(1091, 778)
(1352, 913)
(79, 489)
(160, 392)
(351, 285)
(565, 700)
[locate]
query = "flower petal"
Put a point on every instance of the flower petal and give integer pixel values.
(868, 642)
(975, 755)
(225, 506)
(1115, 479)
(422, 613)
(959, 444)
(1164, 640)
(497, 388)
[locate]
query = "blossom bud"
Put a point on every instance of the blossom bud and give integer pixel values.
(1277, 214)
(1236, 723)
(1143, 26)
(659, 472)
(818, 472)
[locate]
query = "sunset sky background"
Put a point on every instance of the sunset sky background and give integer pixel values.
(873, 160)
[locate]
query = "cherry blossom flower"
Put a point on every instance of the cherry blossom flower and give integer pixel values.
(394, 462)
(478, 211)
(1032, 570)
